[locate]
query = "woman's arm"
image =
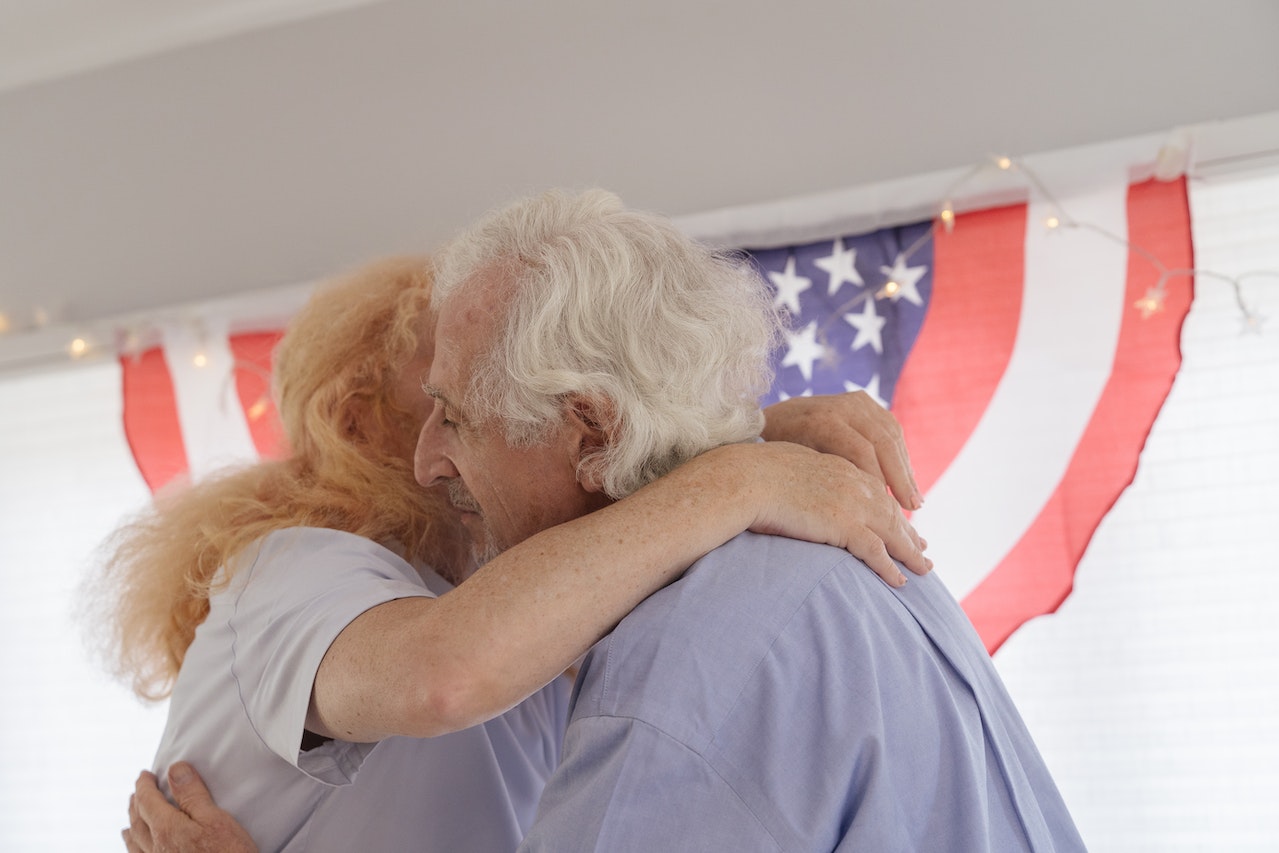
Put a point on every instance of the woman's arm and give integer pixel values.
(422, 667)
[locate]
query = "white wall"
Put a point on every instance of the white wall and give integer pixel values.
(75, 740)
(1154, 691)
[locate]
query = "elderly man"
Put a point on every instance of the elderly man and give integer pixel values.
(786, 703)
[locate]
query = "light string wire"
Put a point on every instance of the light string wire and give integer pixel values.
(83, 345)
(1151, 302)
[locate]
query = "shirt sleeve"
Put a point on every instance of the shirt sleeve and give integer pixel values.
(302, 589)
(627, 787)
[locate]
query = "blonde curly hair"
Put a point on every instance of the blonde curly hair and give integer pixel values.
(349, 467)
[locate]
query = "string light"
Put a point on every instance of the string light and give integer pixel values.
(5, 325)
(1172, 164)
(1151, 303)
(948, 216)
(262, 405)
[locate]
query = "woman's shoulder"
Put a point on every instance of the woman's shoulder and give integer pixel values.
(322, 552)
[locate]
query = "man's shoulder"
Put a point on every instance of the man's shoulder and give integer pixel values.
(754, 579)
(765, 576)
(685, 655)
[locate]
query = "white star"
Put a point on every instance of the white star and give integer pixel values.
(789, 286)
(802, 349)
(907, 278)
(839, 266)
(872, 388)
(782, 396)
(869, 326)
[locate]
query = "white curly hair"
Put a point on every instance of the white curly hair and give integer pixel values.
(617, 306)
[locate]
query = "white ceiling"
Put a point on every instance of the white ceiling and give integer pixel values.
(154, 153)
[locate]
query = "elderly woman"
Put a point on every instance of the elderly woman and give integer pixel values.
(281, 599)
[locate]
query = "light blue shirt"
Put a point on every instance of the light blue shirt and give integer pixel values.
(780, 697)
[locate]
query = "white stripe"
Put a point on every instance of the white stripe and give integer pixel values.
(214, 428)
(1072, 306)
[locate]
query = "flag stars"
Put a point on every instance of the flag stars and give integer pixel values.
(906, 280)
(839, 266)
(869, 326)
(803, 350)
(789, 286)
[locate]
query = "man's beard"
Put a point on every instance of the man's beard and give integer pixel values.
(486, 547)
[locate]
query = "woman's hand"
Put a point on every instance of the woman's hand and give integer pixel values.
(821, 497)
(195, 825)
(853, 426)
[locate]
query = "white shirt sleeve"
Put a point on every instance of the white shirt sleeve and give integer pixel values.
(304, 586)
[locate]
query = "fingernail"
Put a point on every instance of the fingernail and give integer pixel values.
(917, 499)
(180, 773)
(901, 579)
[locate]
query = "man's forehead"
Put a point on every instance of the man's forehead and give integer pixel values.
(465, 324)
(472, 312)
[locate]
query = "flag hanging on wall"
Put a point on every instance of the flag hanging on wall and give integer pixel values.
(1015, 356)
(1025, 378)
(199, 402)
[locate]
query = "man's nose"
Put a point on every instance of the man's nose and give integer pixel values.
(430, 465)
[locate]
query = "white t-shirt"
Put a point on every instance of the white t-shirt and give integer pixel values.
(239, 709)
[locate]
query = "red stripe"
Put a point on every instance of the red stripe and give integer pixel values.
(151, 423)
(252, 354)
(1038, 574)
(967, 337)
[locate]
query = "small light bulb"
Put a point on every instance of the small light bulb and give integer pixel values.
(1151, 303)
(78, 347)
(948, 217)
(1004, 163)
(889, 289)
(1052, 222)
(200, 359)
(4, 323)
(258, 409)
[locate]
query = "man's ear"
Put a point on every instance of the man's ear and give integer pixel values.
(593, 425)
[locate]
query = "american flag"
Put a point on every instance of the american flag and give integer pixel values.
(856, 304)
(1025, 379)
